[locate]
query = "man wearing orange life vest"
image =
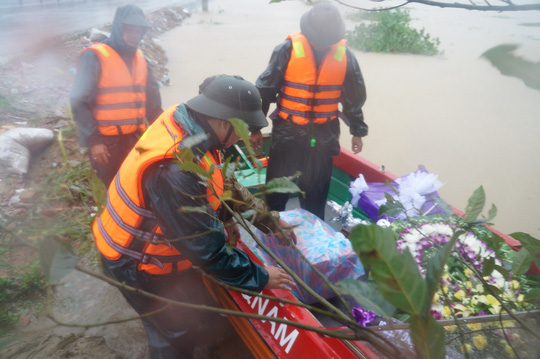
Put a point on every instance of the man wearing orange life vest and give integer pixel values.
(148, 243)
(308, 75)
(115, 93)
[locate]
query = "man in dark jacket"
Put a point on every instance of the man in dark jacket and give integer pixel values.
(151, 190)
(307, 76)
(115, 93)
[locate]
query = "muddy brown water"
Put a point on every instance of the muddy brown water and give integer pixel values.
(454, 113)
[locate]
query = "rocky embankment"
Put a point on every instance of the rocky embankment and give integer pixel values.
(34, 93)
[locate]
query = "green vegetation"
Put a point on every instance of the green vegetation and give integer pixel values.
(18, 290)
(390, 31)
(6, 102)
(62, 208)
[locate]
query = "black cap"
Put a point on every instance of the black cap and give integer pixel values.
(224, 97)
(323, 25)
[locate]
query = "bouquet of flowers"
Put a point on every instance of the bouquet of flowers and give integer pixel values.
(471, 268)
(460, 283)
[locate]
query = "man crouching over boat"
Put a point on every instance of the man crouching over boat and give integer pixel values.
(148, 242)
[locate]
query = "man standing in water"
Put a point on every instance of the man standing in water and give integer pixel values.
(115, 93)
(308, 75)
(148, 242)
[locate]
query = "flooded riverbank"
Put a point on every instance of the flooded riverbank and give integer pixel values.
(455, 113)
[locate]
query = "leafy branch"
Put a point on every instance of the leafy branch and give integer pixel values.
(480, 6)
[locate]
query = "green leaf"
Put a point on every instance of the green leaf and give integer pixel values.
(492, 213)
(396, 274)
(428, 337)
(391, 209)
(521, 261)
(56, 258)
(242, 129)
(195, 168)
(228, 168)
(367, 295)
(533, 296)
(488, 266)
(475, 205)
(530, 244)
(435, 269)
(226, 196)
(282, 185)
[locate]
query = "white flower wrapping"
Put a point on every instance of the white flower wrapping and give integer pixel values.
(415, 192)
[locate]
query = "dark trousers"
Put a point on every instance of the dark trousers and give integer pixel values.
(173, 331)
(118, 147)
(315, 165)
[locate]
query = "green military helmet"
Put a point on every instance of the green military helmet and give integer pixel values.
(323, 25)
(224, 97)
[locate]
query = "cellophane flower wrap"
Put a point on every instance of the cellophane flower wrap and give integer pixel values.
(328, 250)
(417, 192)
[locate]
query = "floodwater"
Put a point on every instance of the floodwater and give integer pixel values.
(456, 114)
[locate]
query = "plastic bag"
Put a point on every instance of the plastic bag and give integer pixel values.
(327, 250)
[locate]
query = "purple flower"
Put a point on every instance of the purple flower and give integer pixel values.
(435, 314)
(362, 316)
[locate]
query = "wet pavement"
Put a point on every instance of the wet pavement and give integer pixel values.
(29, 23)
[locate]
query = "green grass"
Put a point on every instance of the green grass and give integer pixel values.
(390, 32)
(18, 290)
(62, 208)
(6, 102)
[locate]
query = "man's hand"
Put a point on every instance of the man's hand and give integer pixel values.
(279, 279)
(256, 139)
(233, 232)
(289, 236)
(357, 144)
(100, 154)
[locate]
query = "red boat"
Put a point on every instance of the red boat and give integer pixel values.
(266, 339)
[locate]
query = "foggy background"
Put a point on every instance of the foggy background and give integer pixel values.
(27, 23)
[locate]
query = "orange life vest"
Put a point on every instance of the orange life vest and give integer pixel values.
(119, 224)
(121, 95)
(312, 94)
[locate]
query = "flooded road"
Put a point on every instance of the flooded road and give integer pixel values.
(29, 23)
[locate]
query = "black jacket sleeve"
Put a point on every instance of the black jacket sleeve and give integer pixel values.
(198, 236)
(271, 80)
(353, 95)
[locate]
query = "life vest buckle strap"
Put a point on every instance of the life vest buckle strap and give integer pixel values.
(158, 239)
(145, 258)
(315, 88)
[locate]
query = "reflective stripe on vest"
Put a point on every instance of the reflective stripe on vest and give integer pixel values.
(119, 224)
(121, 95)
(312, 94)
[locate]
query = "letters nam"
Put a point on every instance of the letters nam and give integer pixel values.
(280, 333)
